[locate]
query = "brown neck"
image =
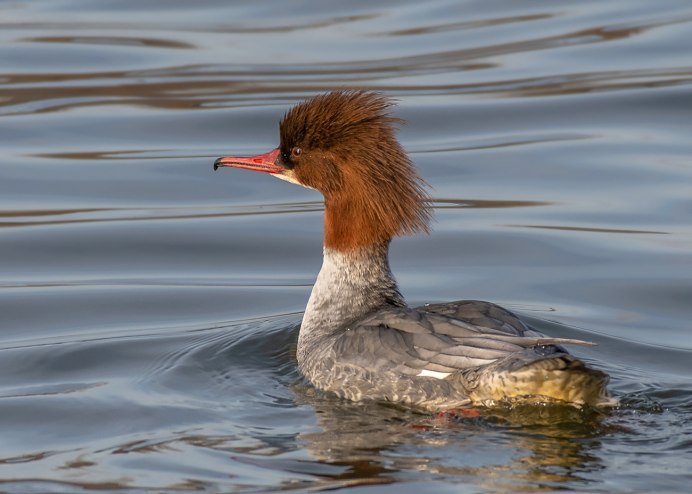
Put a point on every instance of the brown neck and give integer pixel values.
(352, 222)
(373, 201)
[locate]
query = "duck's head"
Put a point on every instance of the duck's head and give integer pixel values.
(343, 144)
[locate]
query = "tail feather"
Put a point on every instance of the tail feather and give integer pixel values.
(531, 376)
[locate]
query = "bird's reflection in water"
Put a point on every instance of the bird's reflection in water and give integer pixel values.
(525, 448)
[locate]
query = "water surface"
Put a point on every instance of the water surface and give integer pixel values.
(150, 307)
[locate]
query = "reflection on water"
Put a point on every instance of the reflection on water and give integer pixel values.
(103, 40)
(67, 216)
(552, 444)
(150, 307)
(200, 87)
(595, 230)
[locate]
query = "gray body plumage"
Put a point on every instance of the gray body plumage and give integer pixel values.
(360, 341)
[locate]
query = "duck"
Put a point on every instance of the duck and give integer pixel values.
(358, 339)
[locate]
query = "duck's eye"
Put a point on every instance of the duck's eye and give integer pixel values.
(296, 151)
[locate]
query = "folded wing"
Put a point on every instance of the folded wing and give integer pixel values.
(440, 340)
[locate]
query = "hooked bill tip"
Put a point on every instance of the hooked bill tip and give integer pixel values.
(217, 164)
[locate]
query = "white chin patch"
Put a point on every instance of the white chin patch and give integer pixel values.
(289, 176)
(435, 374)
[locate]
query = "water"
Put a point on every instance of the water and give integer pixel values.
(150, 306)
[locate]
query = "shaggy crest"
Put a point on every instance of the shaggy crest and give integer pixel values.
(343, 144)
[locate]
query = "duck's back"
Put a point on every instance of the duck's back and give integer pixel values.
(448, 355)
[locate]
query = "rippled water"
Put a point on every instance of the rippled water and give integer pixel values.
(150, 307)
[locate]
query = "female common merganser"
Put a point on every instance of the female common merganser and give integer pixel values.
(358, 338)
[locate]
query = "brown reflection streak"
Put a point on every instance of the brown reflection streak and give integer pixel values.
(485, 204)
(47, 212)
(504, 144)
(582, 37)
(77, 464)
(111, 40)
(237, 211)
(55, 390)
(143, 446)
(127, 154)
(42, 455)
(589, 229)
(287, 28)
(455, 26)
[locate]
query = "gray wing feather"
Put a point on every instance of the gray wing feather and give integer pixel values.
(479, 313)
(442, 338)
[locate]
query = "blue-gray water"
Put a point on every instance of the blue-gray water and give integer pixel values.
(149, 306)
